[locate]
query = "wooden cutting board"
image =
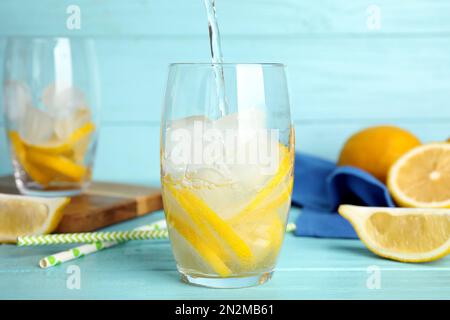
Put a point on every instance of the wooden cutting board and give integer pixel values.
(103, 204)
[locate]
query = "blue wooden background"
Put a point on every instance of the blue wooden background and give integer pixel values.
(342, 74)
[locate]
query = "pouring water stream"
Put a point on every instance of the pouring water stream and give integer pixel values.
(216, 55)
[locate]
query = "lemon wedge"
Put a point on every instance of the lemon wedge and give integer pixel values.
(421, 177)
(402, 234)
(21, 215)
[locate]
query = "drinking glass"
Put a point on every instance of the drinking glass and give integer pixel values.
(227, 157)
(51, 102)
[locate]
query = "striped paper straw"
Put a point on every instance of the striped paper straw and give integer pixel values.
(87, 249)
(74, 253)
(91, 237)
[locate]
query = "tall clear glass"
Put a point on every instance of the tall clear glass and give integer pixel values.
(227, 157)
(51, 111)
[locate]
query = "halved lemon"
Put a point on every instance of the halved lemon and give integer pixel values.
(421, 177)
(402, 234)
(21, 215)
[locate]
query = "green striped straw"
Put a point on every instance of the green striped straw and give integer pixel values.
(87, 249)
(91, 237)
(75, 253)
(81, 251)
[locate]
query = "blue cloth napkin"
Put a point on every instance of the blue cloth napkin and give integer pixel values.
(320, 187)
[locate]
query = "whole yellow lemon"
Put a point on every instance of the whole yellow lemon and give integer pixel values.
(375, 149)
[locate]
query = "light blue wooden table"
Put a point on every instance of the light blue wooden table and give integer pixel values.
(350, 64)
(307, 269)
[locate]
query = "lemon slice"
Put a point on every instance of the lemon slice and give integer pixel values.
(402, 234)
(264, 237)
(269, 207)
(54, 160)
(421, 177)
(205, 233)
(21, 215)
(68, 145)
(263, 228)
(204, 218)
(37, 174)
(284, 169)
(58, 164)
(200, 246)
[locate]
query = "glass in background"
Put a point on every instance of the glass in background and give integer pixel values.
(51, 111)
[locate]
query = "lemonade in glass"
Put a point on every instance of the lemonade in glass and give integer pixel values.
(226, 173)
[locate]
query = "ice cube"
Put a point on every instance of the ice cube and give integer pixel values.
(179, 149)
(242, 149)
(36, 126)
(63, 101)
(253, 147)
(63, 127)
(247, 118)
(81, 117)
(66, 124)
(17, 96)
(68, 107)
